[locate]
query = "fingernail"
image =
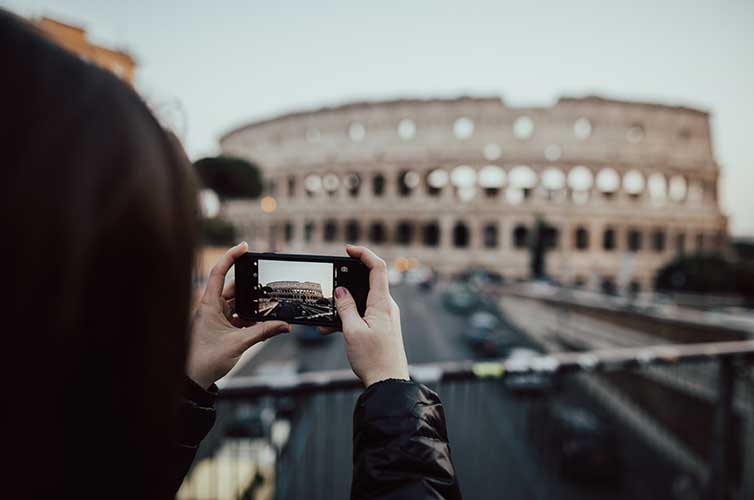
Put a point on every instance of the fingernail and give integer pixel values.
(340, 292)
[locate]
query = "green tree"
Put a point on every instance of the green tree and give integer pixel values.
(707, 274)
(230, 177)
(218, 232)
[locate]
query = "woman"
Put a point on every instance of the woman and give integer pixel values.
(109, 381)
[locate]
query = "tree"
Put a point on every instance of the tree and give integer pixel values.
(711, 274)
(230, 177)
(218, 232)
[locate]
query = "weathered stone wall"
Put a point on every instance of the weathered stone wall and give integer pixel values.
(477, 174)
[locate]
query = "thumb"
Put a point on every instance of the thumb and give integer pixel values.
(349, 314)
(262, 331)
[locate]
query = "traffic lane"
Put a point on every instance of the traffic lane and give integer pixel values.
(430, 333)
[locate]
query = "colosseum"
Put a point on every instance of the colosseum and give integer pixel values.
(453, 183)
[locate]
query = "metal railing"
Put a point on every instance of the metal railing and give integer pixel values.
(670, 421)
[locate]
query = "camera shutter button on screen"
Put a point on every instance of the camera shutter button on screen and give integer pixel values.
(344, 269)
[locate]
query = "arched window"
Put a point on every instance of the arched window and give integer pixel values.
(608, 285)
(330, 231)
(291, 186)
(634, 240)
(378, 185)
(490, 235)
(658, 240)
(436, 180)
(460, 235)
(550, 235)
(699, 242)
(520, 237)
(309, 231)
(407, 181)
(608, 240)
(353, 231)
(582, 238)
(404, 233)
(680, 242)
(377, 233)
(431, 234)
(288, 230)
(352, 183)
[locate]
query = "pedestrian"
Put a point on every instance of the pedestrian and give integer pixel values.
(109, 380)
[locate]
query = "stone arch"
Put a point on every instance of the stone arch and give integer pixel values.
(520, 236)
(377, 233)
(353, 231)
(431, 234)
(461, 236)
(404, 232)
(581, 238)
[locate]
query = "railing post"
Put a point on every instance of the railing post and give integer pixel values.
(721, 432)
(747, 379)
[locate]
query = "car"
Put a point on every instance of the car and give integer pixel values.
(522, 382)
(484, 334)
(309, 334)
(459, 298)
(580, 444)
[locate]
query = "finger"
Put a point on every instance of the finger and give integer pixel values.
(262, 331)
(239, 322)
(229, 292)
(229, 308)
(326, 330)
(379, 290)
(349, 314)
(216, 278)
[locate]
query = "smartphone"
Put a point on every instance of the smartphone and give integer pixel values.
(297, 288)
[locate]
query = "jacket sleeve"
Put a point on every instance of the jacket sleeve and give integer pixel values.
(401, 445)
(196, 416)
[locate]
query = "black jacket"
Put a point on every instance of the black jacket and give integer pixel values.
(400, 445)
(196, 416)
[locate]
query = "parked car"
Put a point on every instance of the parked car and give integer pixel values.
(575, 440)
(525, 383)
(484, 334)
(459, 298)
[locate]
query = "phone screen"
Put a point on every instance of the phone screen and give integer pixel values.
(295, 291)
(297, 288)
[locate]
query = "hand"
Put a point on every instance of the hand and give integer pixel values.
(218, 335)
(374, 343)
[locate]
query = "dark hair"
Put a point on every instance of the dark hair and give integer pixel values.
(99, 227)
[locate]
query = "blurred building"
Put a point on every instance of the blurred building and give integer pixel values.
(452, 183)
(74, 39)
(304, 291)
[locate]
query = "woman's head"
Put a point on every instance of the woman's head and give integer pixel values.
(98, 223)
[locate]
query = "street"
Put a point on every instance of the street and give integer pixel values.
(490, 429)
(288, 310)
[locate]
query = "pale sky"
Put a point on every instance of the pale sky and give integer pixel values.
(280, 270)
(226, 63)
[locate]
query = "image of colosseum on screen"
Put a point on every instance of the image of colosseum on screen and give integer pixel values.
(290, 290)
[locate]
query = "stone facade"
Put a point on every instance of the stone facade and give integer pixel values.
(304, 291)
(459, 182)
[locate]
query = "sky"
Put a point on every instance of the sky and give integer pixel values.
(283, 270)
(215, 65)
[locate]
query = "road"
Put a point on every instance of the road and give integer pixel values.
(489, 429)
